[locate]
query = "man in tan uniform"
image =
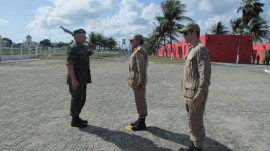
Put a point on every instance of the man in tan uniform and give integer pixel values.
(195, 83)
(137, 79)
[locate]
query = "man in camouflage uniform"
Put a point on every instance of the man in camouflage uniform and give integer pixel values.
(138, 79)
(195, 83)
(78, 76)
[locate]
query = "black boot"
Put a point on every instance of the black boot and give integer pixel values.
(134, 123)
(77, 123)
(83, 121)
(140, 125)
(189, 148)
(198, 149)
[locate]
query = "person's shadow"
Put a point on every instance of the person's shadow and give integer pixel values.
(183, 139)
(125, 141)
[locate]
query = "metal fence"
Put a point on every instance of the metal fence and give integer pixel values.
(9, 53)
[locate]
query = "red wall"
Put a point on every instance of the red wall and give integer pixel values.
(180, 50)
(223, 48)
(259, 50)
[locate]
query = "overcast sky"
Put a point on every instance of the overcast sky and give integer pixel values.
(116, 18)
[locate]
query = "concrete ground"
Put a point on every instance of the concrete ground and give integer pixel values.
(34, 108)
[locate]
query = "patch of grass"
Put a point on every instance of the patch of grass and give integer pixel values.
(62, 57)
(165, 60)
(17, 52)
(106, 55)
(96, 55)
(26, 52)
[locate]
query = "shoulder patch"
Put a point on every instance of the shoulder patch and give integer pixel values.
(204, 56)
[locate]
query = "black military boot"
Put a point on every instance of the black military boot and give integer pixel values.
(198, 149)
(191, 147)
(77, 123)
(134, 123)
(83, 121)
(140, 125)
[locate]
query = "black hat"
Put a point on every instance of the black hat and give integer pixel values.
(79, 31)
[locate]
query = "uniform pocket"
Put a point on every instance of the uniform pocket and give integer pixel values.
(191, 107)
(189, 93)
(188, 64)
(130, 79)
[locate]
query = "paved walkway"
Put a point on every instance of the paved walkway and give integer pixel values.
(34, 108)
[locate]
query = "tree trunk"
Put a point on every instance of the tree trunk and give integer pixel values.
(165, 47)
(239, 43)
(171, 46)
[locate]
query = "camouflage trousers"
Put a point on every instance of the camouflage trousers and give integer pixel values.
(78, 98)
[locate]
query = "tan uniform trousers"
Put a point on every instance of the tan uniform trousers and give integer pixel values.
(195, 121)
(140, 101)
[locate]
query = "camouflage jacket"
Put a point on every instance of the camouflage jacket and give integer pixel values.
(79, 58)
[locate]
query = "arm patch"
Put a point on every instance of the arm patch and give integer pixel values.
(204, 56)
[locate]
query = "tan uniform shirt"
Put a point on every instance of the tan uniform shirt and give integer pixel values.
(197, 72)
(138, 67)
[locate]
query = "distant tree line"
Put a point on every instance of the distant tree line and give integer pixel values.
(102, 41)
(167, 26)
(97, 39)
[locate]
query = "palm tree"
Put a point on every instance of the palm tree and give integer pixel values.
(100, 38)
(149, 45)
(93, 38)
(236, 25)
(160, 32)
(219, 29)
(250, 9)
(152, 43)
(111, 43)
(258, 28)
(173, 12)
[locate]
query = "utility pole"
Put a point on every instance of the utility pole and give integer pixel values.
(123, 43)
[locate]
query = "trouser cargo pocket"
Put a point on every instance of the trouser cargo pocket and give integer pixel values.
(189, 93)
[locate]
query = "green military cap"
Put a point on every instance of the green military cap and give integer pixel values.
(190, 26)
(79, 31)
(137, 37)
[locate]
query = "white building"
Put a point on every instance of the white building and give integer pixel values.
(28, 43)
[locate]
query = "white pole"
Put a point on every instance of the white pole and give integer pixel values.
(21, 48)
(29, 49)
(237, 58)
(36, 48)
(12, 48)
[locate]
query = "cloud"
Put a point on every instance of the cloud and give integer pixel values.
(132, 17)
(209, 12)
(151, 11)
(3, 21)
(216, 7)
(123, 18)
(206, 25)
(68, 12)
(119, 20)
